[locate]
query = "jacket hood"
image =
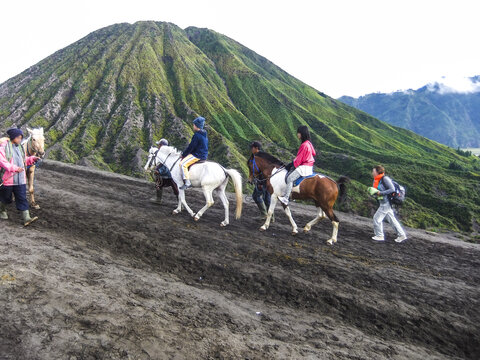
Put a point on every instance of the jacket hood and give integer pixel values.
(202, 132)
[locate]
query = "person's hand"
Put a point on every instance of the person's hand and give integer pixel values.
(36, 158)
(19, 170)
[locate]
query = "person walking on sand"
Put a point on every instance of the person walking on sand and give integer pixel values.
(382, 187)
(159, 190)
(12, 168)
(260, 194)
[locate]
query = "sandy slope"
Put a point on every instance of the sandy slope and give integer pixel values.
(106, 275)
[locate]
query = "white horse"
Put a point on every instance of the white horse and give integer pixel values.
(208, 175)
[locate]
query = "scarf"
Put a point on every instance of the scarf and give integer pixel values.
(377, 179)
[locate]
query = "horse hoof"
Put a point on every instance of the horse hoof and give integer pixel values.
(295, 232)
(263, 228)
(330, 242)
(196, 218)
(306, 230)
(36, 207)
(175, 212)
(223, 223)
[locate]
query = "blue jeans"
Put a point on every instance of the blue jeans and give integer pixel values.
(261, 195)
(20, 192)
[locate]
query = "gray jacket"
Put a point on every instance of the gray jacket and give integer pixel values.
(18, 178)
(386, 187)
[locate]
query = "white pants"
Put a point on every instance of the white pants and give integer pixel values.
(385, 211)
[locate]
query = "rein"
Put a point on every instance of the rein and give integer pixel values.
(164, 161)
(256, 178)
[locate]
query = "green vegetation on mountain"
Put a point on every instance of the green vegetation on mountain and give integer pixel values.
(451, 118)
(104, 99)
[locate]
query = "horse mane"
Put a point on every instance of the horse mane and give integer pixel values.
(270, 158)
(167, 150)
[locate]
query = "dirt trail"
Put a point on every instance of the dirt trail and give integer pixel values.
(104, 274)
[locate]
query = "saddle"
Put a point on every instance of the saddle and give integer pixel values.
(198, 162)
(300, 179)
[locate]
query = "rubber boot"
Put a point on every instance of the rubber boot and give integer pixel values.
(158, 198)
(3, 211)
(263, 209)
(27, 220)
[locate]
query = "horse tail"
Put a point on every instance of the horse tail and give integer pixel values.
(342, 186)
(237, 182)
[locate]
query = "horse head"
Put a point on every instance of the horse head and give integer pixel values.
(37, 141)
(262, 163)
(152, 153)
(253, 169)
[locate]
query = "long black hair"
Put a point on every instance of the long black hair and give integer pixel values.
(305, 134)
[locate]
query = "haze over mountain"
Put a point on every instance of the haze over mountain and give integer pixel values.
(104, 99)
(445, 112)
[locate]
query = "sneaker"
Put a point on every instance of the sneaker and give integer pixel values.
(378, 238)
(401, 238)
(283, 200)
(186, 186)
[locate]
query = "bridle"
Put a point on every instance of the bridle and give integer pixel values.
(30, 148)
(164, 161)
(257, 178)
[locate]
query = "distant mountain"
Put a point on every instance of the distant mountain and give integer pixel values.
(436, 111)
(104, 100)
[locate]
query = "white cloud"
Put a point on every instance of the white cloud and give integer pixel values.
(452, 84)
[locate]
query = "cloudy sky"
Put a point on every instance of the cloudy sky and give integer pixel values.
(341, 47)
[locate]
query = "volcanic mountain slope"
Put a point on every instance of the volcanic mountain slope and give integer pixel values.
(105, 98)
(433, 111)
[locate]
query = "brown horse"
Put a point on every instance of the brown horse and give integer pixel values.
(321, 189)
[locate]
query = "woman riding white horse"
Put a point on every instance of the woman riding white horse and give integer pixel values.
(207, 175)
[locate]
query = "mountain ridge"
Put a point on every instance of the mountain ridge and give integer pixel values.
(437, 111)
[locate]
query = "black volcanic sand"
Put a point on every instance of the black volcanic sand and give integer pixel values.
(104, 274)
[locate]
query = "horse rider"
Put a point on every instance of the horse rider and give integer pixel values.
(260, 194)
(385, 187)
(159, 189)
(197, 150)
(303, 162)
(13, 163)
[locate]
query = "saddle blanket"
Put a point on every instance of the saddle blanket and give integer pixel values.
(296, 183)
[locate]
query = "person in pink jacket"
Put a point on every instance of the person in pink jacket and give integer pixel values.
(303, 162)
(13, 180)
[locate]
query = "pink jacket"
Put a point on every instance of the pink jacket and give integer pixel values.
(9, 166)
(305, 155)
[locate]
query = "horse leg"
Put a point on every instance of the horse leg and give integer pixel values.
(290, 217)
(224, 199)
(333, 218)
(271, 210)
(181, 196)
(30, 178)
(320, 216)
(207, 192)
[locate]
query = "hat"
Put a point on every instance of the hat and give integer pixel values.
(162, 142)
(199, 122)
(256, 144)
(14, 132)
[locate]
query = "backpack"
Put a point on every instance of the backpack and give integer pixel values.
(397, 197)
